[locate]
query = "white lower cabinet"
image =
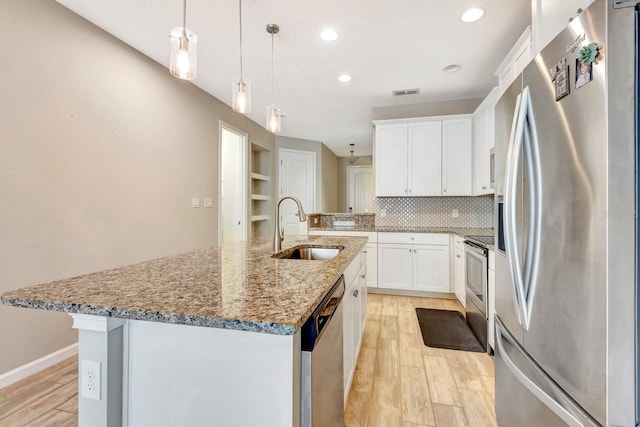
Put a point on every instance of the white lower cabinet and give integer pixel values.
(354, 310)
(459, 276)
(492, 297)
(413, 261)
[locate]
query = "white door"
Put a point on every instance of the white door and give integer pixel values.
(233, 184)
(395, 266)
(425, 159)
(297, 178)
(457, 147)
(391, 151)
(359, 189)
(431, 271)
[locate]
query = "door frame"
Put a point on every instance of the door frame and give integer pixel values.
(245, 181)
(315, 172)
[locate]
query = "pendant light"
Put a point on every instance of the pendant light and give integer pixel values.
(352, 159)
(241, 87)
(184, 43)
(274, 118)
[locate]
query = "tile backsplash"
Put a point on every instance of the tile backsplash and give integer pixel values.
(473, 212)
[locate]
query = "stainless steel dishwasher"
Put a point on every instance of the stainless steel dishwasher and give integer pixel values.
(322, 385)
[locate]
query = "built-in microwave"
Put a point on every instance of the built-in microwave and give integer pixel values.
(492, 167)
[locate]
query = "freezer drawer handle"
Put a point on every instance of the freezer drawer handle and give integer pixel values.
(550, 402)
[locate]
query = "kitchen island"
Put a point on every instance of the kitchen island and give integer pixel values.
(210, 337)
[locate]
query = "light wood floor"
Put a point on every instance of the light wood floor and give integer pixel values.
(401, 382)
(398, 381)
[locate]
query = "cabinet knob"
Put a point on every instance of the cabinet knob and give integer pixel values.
(364, 252)
(444, 190)
(484, 187)
(409, 191)
(355, 293)
(458, 256)
(363, 276)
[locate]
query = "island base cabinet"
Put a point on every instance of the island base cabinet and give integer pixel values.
(354, 312)
(179, 375)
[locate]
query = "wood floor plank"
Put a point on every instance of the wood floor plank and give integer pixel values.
(484, 364)
(388, 327)
(490, 386)
(387, 359)
(442, 385)
(476, 408)
(373, 309)
(407, 321)
(43, 405)
(363, 376)
(384, 410)
(357, 411)
(410, 353)
(464, 368)
(449, 416)
(63, 372)
(416, 403)
(71, 405)
(31, 391)
(389, 305)
(55, 418)
(371, 333)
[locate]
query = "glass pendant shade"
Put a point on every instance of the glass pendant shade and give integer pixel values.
(241, 95)
(273, 119)
(183, 61)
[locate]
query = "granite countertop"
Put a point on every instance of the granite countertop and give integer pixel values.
(461, 231)
(236, 287)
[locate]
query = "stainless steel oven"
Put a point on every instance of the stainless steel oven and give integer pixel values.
(476, 262)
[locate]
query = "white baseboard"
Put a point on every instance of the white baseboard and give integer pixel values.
(38, 365)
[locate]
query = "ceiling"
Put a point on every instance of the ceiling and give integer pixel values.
(385, 45)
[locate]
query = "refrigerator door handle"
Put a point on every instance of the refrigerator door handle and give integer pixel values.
(565, 409)
(532, 252)
(510, 215)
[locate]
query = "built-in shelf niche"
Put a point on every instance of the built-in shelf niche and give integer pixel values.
(261, 186)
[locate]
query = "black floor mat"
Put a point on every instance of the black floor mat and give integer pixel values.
(447, 329)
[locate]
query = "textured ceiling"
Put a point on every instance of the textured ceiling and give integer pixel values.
(384, 44)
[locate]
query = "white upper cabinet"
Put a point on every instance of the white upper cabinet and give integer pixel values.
(425, 154)
(457, 145)
(410, 160)
(483, 142)
(517, 58)
(549, 17)
(392, 150)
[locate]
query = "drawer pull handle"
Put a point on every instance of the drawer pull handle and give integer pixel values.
(355, 293)
(363, 276)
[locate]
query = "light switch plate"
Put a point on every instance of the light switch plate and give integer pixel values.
(195, 202)
(208, 202)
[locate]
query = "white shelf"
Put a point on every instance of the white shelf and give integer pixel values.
(260, 197)
(260, 177)
(260, 218)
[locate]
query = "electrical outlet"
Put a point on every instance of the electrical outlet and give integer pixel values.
(90, 379)
(383, 213)
(195, 202)
(315, 221)
(455, 213)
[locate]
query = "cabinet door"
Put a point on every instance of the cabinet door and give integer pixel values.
(456, 157)
(482, 178)
(395, 266)
(356, 335)
(363, 301)
(459, 277)
(372, 265)
(391, 153)
(425, 159)
(347, 339)
(431, 268)
(492, 306)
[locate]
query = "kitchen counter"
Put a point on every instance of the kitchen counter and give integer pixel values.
(461, 231)
(237, 287)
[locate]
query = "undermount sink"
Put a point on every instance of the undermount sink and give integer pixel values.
(310, 252)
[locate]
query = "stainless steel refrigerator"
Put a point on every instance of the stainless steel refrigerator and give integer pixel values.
(565, 299)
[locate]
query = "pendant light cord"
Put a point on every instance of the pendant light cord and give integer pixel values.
(241, 74)
(184, 17)
(272, 98)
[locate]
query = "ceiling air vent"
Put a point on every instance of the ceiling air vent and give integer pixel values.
(403, 92)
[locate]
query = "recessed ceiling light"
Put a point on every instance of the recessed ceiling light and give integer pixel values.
(328, 34)
(472, 15)
(344, 78)
(451, 68)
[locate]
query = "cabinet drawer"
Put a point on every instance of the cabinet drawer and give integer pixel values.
(414, 238)
(373, 236)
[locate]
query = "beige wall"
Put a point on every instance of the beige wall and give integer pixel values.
(442, 108)
(342, 179)
(326, 167)
(101, 151)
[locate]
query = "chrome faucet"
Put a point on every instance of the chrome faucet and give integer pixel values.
(278, 236)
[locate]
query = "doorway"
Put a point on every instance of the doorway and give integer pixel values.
(233, 185)
(359, 189)
(297, 178)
